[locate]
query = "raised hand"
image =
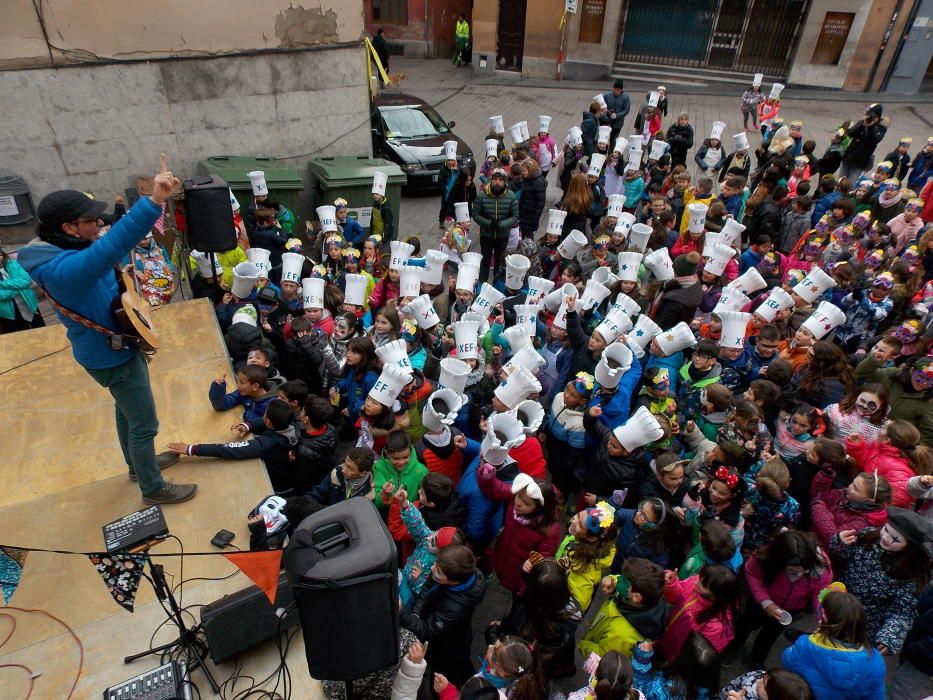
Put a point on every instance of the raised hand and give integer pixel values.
(164, 182)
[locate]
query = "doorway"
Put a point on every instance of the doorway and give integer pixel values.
(510, 37)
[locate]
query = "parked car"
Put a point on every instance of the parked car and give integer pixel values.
(410, 132)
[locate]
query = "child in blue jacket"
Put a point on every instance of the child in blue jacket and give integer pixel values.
(250, 393)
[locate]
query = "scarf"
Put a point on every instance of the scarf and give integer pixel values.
(687, 280)
(889, 198)
(441, 440)
(62, 240)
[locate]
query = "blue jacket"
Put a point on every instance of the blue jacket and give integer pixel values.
(83, 280)
(590, 128)
(354, 233)
(253, 409)
(17, 284)
(756, 360)
(823, 205)
(673, 363)
(616, 410)
(749, 259)
(836, 673)
(483, 515)
(356, 391)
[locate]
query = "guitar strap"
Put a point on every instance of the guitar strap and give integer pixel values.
(118, 341)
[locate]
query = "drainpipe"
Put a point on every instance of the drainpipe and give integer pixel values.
(427, 45)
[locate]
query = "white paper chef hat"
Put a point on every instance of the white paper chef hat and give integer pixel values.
(467, 276)
(604, 275)
(526, 315)
(504, 431)
(466, 337)
(395, 352)
(624, 304)
(555, 221)
(483, 321)
(717, 257)
(749, 281)
(538, 287)
(440, 410)
(492, 147)
(257, 179)
(523, 125)
(544, 123)
(516, 267)
(487, 298)
(740, 142)
(776, 90)
(515, 133)
(575, 137)
(389, 385)
(461, 212)
(555, 298)
(245, 276)
(400, 251)
(327, 215)
(756, 81)
(826, 318)
(676, 339)
(653, 98)
(246, 314)
(597, 161)
(593, 295)
(660, 264)
(203, 261)
(292, 264)
(450, 150)
(260, 258)
(732, 232)
(517, 387)
(600, 100)
(517, 337)
(777, 301)
(379, 182)
(475, 259)
(731, 299)
(560, 316)
(604, 133)
(355, 289)
(610, 328)
(696, 213)
(422, 310)
(615, 205)
(409, 281)
(454, 374)
(716, 130)
(234, 202)
(634, 160)
(635, 141)
(496, 124)
(312, 292)
(733, 328)
(569, 247)
(619, 355)
(640, 429)
(530, 414)
(526, 357)
(620, 146)
(433, 272)
(644, 332)
(811, 287)
(638, 237)
(658, 149)
(625, 222)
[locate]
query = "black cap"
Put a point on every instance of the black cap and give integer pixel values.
(875, 109)
(617, 83)
(913, 526)
(60, 207)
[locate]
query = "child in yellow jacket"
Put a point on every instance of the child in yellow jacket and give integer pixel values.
(588, 551)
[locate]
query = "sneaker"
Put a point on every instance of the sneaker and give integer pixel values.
(164, 460)
(172, 493)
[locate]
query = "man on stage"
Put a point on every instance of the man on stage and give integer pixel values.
(75, 266)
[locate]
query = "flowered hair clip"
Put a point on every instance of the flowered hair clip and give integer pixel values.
(599, 517)
(728, 476)
(584, 382)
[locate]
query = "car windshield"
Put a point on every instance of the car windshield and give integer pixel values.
(412, 122)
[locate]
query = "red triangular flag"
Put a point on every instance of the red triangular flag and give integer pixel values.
(262, 567)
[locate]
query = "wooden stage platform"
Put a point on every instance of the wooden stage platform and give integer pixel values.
(64, 477)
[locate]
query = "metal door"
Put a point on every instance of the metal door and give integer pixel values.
(911, 66)
(726, 40)
(510, 44)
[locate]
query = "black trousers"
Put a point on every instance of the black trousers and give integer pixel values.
(493, 250)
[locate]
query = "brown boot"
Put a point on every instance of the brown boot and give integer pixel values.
(172, 493)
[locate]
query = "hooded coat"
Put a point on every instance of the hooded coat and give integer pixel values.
(904, 401)
(834, 671)
(889, 462)
(619, 626)
(686, 604)
(830, 512)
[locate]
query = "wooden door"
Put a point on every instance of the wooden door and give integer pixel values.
(511, 34)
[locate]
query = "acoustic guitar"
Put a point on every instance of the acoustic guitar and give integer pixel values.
(133, 313)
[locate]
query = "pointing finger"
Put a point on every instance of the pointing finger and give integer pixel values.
(163, 163)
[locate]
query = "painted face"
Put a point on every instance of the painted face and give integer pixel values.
(891, 539)
(867, 404)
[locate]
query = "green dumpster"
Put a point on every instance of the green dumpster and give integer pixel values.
(283, 180)
(351, 177)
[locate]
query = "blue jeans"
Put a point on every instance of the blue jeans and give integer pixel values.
(137, 422)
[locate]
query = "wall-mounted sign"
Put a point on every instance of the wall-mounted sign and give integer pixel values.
(832, 38)
(571, 7)
(592, 14)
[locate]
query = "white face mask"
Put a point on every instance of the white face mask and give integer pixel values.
(271, 512)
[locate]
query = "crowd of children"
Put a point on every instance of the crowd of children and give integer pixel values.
(699, 404)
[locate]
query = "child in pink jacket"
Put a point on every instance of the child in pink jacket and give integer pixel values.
(705, 603)
(897, 456)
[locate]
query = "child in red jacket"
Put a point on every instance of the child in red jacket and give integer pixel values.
(860, 505)
(530, 525)
(897, 456)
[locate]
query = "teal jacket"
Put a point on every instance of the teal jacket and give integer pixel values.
(17, 283)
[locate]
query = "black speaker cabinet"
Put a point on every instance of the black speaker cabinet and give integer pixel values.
(342, 565)
(208, 214)
(243, 619)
